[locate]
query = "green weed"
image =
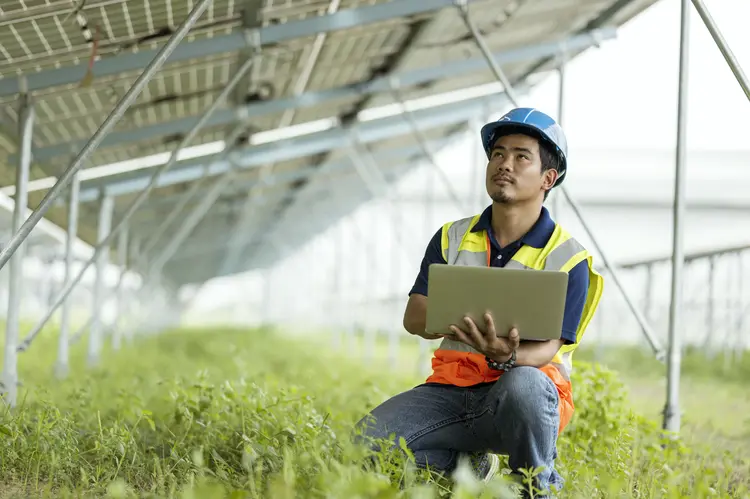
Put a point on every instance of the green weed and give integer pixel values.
(249, 414)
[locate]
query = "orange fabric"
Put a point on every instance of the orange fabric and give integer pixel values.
(451, 367)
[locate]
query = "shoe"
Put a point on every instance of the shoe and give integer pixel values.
(485, 466)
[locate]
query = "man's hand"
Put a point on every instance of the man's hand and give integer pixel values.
(490, 344)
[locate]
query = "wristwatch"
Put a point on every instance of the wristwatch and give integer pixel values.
(504, 366)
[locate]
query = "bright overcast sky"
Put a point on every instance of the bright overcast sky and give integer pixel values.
(625, 93)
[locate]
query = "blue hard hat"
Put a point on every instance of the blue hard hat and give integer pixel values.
(533, 122)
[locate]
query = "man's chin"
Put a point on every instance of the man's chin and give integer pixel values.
(501, 198)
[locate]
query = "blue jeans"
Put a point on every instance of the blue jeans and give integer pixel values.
(515, 416)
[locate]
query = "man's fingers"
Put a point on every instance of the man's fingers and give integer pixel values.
(460, 335)
(514, 339)
(491, 331)
(475, 334)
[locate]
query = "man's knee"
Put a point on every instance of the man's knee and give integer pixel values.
(384, 423)
(367, 430)
(527, 391)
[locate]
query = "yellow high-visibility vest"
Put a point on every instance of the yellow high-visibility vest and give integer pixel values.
(459, 364)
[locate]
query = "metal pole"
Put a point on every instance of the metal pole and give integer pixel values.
(671, 408)
(393, 330)
(133, 302)
(142, 195)
(113, 117)
(711, 312)
(15, 278)
(648, 293)
(463, 8)
(336, 293)
(63, 340)
(122, 257)
(734, 65)
(556, 205)
(106, 209)
(658, 350)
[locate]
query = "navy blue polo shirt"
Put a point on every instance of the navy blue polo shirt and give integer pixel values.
(537, 237)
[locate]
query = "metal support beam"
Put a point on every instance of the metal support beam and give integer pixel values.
(406, 79)
(732, 61)
(63, 341)
(122, 257)
(134, 254)
(334, 170)
(206, 47)
(463, 8)
(657, 348)
(555, 198)
(336, 138)
(672, 406)
(103, 229)
(113, 117)
(15, 277)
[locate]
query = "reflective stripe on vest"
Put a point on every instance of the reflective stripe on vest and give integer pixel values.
(461, 246)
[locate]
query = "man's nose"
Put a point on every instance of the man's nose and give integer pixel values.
(505, 164)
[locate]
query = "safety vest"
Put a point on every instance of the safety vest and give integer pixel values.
(459, 364)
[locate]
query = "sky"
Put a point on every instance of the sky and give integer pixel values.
(624, 94)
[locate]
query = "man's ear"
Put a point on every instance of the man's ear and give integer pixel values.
(549, 179)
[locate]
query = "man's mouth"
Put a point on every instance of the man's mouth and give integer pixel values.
(501, 179)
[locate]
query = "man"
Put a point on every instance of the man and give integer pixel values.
(490, 394)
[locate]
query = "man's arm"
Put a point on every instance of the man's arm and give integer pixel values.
(540, 353)
(415, 315)
(535, 353)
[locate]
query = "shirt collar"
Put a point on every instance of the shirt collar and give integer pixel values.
(536, 237)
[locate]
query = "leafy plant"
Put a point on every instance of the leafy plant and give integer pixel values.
(249, 414)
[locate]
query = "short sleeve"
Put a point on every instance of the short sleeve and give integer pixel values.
(433, 254)
(578, 287)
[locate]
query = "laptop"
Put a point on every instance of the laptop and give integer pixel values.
(531, 300)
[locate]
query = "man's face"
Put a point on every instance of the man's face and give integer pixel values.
(514, 170)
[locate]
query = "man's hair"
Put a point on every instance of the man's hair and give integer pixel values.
(550, 159)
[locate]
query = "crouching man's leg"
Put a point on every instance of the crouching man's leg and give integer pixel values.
(431, 418)
(521, 421)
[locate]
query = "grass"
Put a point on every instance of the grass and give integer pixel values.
(714, 399)
(233, 413)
